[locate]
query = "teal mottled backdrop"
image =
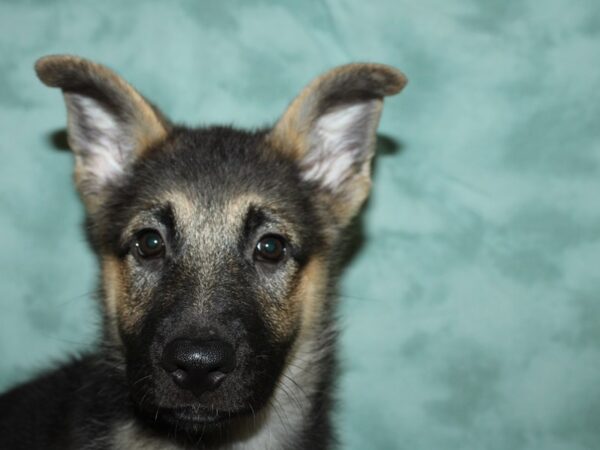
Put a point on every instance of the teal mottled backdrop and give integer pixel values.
(471, 312)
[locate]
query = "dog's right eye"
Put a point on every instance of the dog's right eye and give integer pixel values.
(149, 244)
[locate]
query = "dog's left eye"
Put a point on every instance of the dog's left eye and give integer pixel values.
(149, 244)
(270, 248)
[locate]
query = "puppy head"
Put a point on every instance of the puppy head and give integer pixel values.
(215, 243)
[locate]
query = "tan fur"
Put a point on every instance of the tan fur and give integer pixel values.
(186, 210)
(299, 309)
(125, 311)
(346, 207)
(311, 293)
(113, 284)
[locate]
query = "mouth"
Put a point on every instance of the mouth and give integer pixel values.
(193, 417)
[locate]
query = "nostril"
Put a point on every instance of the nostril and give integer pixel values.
(214, 380)
(179, 375)
(198, 365)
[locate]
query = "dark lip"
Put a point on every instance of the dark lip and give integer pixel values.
(191, 416)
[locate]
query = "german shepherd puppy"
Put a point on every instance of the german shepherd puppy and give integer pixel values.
(217, 248)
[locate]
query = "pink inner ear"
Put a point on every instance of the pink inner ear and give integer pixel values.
(100, 142)
(340, 142)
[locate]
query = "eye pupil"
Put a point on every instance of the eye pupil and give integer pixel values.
(270, 248)
(152, 241)
(270, 245)
(149, 244)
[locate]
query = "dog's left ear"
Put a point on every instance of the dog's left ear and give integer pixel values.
(330, 130)
(109, 123)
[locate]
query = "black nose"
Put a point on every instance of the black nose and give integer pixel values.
(198, 366)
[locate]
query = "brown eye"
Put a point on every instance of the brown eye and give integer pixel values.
(270, 248)
(149, 244)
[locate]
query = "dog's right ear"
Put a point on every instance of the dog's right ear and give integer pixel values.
(109, 124)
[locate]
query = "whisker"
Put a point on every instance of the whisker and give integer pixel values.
(276, 409)
(292, 397)
(142, 379)
(253, 414)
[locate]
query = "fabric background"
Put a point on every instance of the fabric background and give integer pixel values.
(471, 311)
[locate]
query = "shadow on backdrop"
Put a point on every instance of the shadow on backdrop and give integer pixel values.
(58, 140)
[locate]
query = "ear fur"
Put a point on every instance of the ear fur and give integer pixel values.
(109, 123)
(330, 130)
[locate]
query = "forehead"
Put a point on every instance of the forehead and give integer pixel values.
(216, 164)
(211, 178)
